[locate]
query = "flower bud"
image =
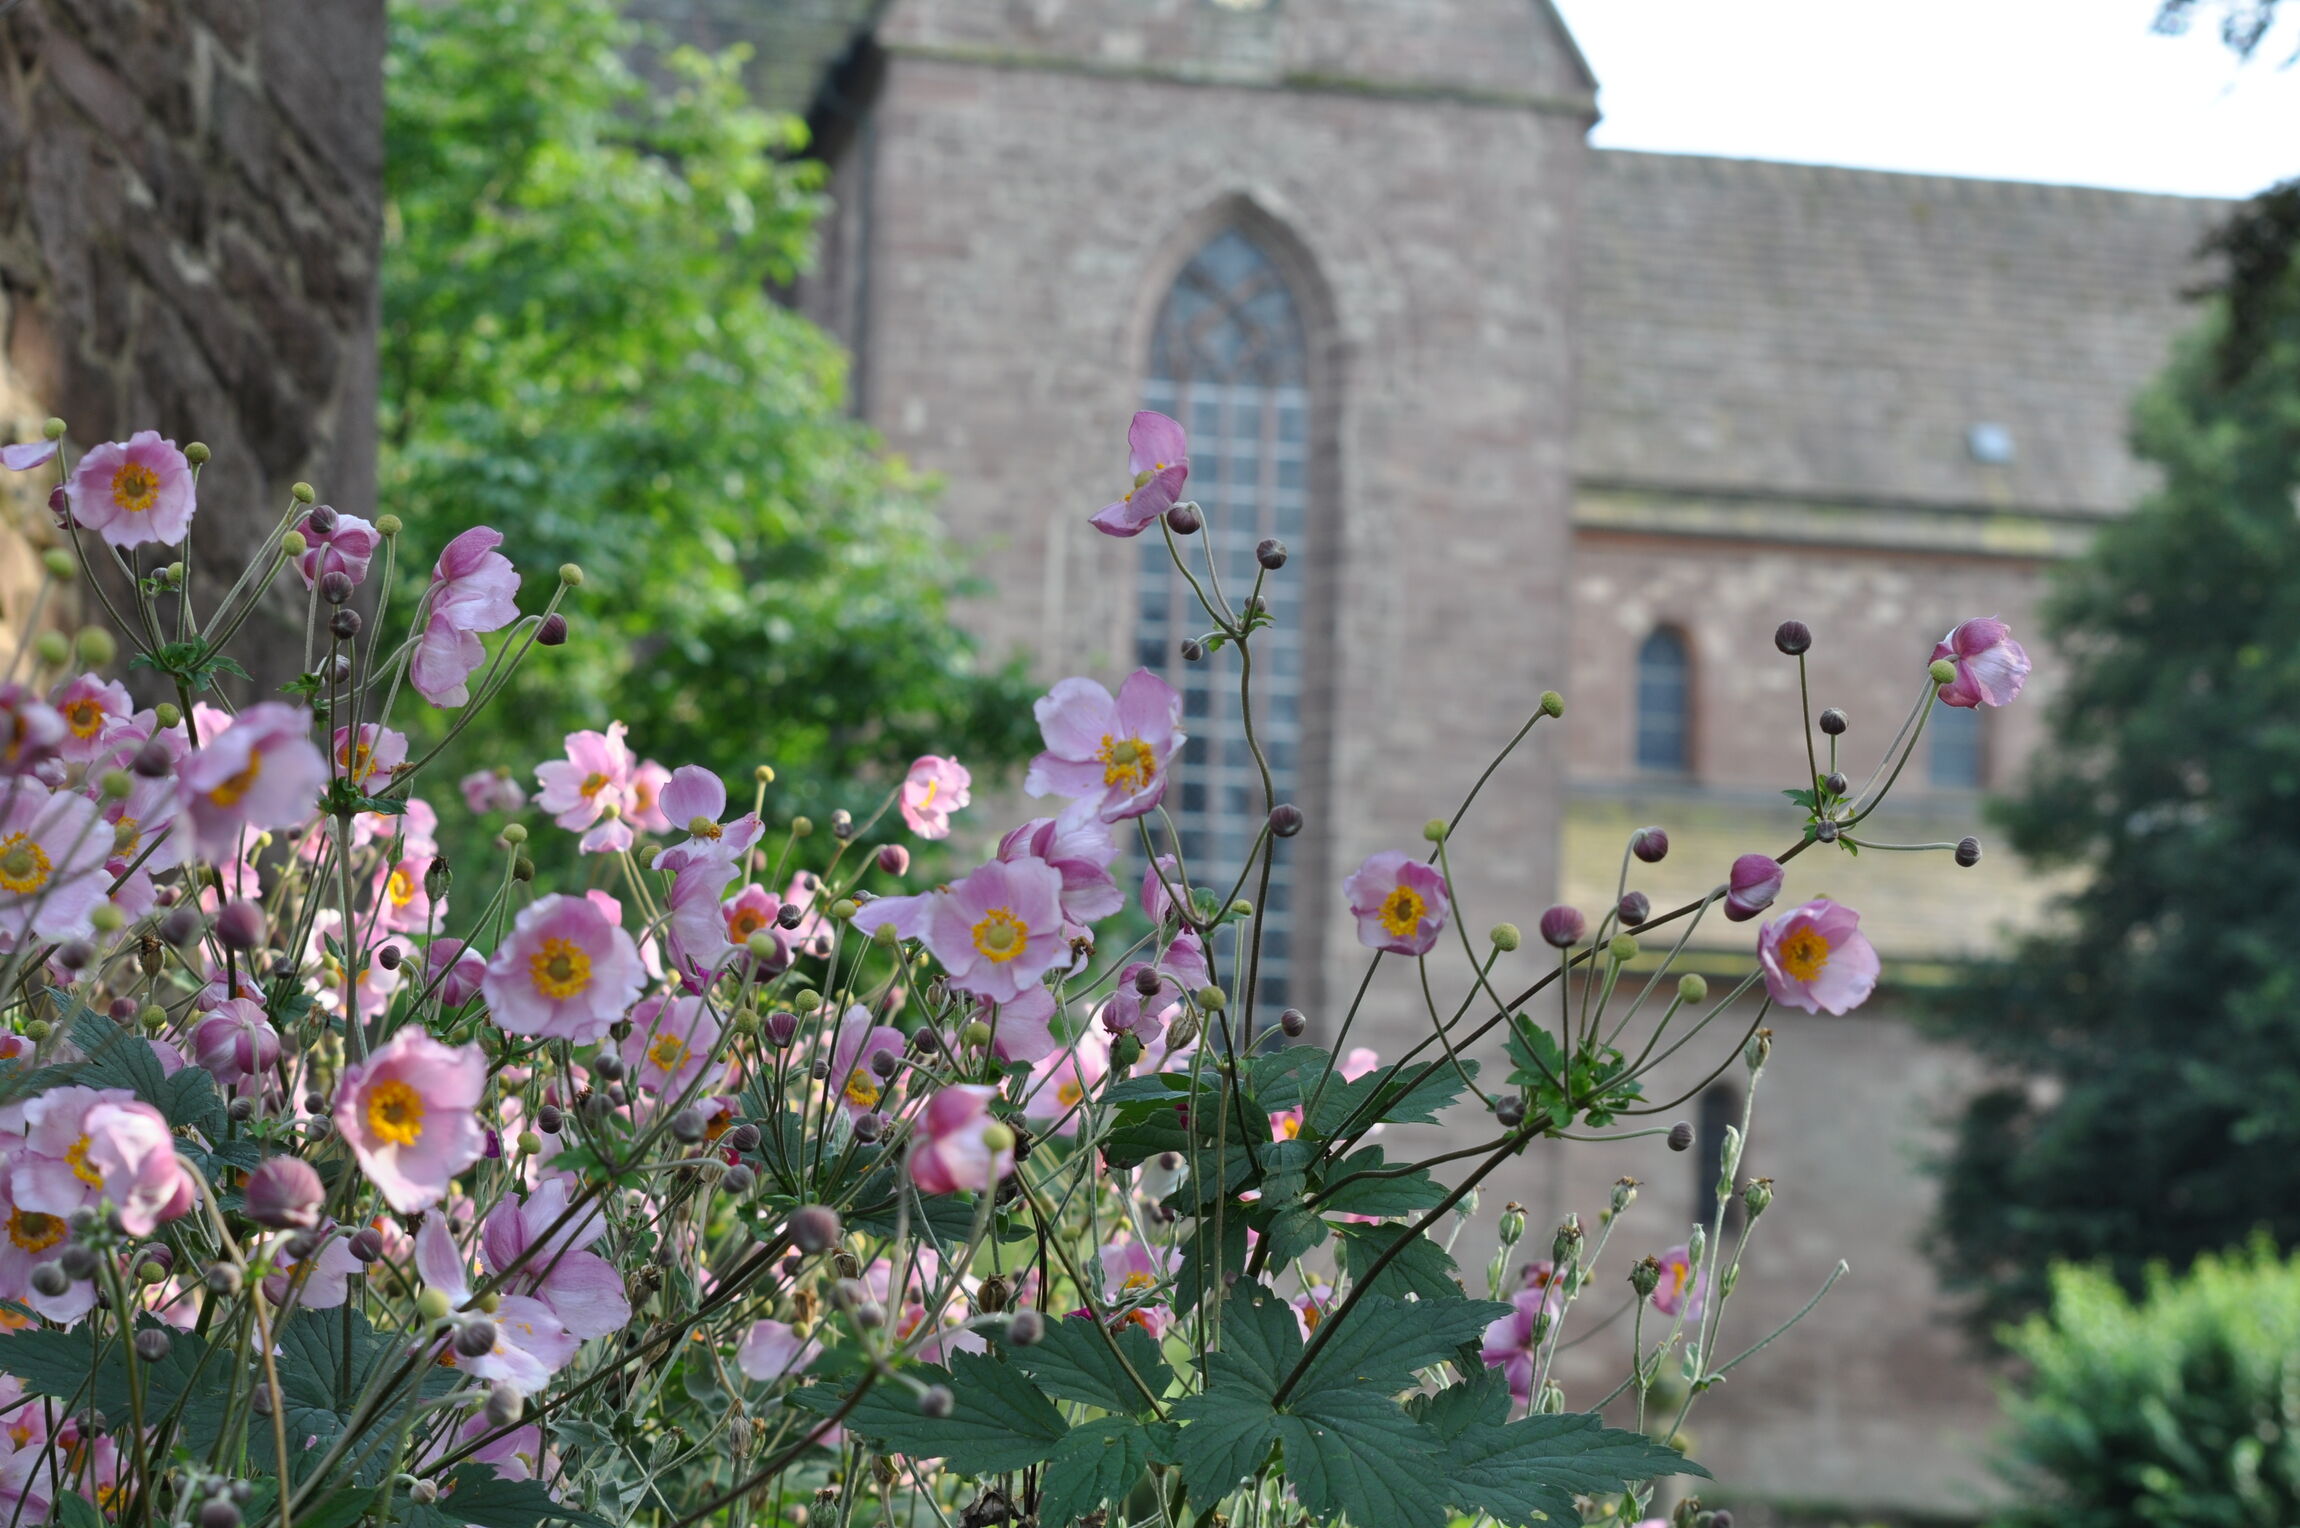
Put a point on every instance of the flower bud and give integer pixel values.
(304, 493)
(1563, 926)
(1293, 1021)
(1650, 845)
(894, 859)
(844, 909)
(1793, 637)
(1834, 722)
(50, 1279)
(432, 1305)
(475, 1338)
(1271, 553)
(153, 1343)
(1285, 820)
(782, 1028)
(550, 1119)
(1692, 987)
(505, 1405)
(1826, 830)
(1182, 1032)
(1435, 830)
(1942, 671)
(1565, 1247)
(1027, 1329)
(813, 1228)
(1836, 785)
(607, 1066)
(1697, 1245)
(293, 544)
(513, 834)
(78, 1261)
(335, 586)
(802, 827)
(96, 646)
(1624, 1194)
(1622, 948)
(1212, 999)
(224, 1279)
(51, 647)
(1681, 1136)
(936, 1400)
(218, 1512)
(1552, 704)
(1551, 1401)
(552, 632)
(975, 1034)
(285, 1193)
(240, 926)
(1756, 1196)
(58, 562)
(166, 714)
(344, 625)
(366, 1244)
(869, 1126)
(1968, 852)
(687, 1126)
(1634, 908)
(1759, 1050)
(1184, 520)
(1645, 1276)
(423, 1493)
(1506, 937)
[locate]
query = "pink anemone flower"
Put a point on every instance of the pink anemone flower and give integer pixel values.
(474, 589)
(694, 800)
(934, 788)
(1400, 903)
(853, 1079)
(670, 1043)
(262, 771)
(133, 1152)
(1750, 888)
(1113, 753)
(1158, 455)
(53, 846)
(89, 706)
(1512, 1342)
(578, 789)
(959, 1144)
(1132, 1273)
(581, 1288)
(1000, 929)
(1078, 844)
(1680, 1287)
(492, 790)
(347, 548)
(377, 752)
(566, 973)
(134, 493)
(1816, 958)
(408, 1112)
(772, 1351)
(1991, 667)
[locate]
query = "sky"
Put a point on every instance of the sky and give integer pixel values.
(2073, 91)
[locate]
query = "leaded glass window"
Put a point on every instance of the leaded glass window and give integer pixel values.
(1228, 360)
(1664, 702)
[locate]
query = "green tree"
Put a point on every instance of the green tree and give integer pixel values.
(2158, 1031)
(579, 348)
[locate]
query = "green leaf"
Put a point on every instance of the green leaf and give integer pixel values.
(340, 1510)
(1354, 1453)
(73, 1510)
(1074, 1362)
(1384, 1341)
(1098, 1463)
(1414, 1093)
(1346, 1193)
(1536, 1467)
(189, 1100)
(475, 1494)
(1203, 1258)
(118, 1057)
(1284, 1079)
(1423, 1269)
(1261, 1341)
(998, 1419)
(1294, 1231)
(190, 663)
(1229, 1435)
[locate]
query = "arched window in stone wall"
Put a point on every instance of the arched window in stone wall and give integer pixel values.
(1228, 359)
(1665, 702)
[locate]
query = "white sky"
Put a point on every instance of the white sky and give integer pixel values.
(2077, 91)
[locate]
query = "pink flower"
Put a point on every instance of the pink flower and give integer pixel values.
(465, 971)
(31, 731)
(773, 1351)
(136, 493)
(934, 788)
(328, 1284)
(1022, 1030)
(89, 706)
(379, 751)
(474, 589)
(567, 972)
(1158, 454)
(32, 1237)
(578, 789)
(959, 1145)
(1991, 667)
(1751, 887)
(1112, 753)
(1000, 929)
(1132, 1272)
(693, 801)
(408, 1112)
(1679, 1289)
(581, 1289)
(1513, 1342)
(1179, 971)
(1060, 1082)
(262, 771)
(346, 549)
(1077, 844)
(1400, 903)
(23, 458)
(492, 790)
(752, 911)
(647, 782)
(1161, 883)
(53, 846)
(853, 1080)
(235, 1041)
(699, 872)
(132, 1150)
(1540, 1277)
(403, 904)
(1816, 958)
(670, 1043)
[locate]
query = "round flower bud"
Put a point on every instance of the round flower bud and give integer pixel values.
(1756, 1196)
(505, 1405)
(50, 1279)
(218, 1512)
(869, 1126)
(764, 774)
(1793, 637)
(894, 859)
(1509, 1111)
(1147, 981)
(166, 714)
(975, 1034)
(304, 493)
(1968, 852)
(285, 1193)
(106, 918)
(53, 429)
(96, 646)
(1271, 554)
(74, 954)
(522, 869)
(1506, 937)
(51, 647)
(1293, 1021)
(1943, 671)
(687, 1126)
(1212, 999)
(1645, 1273)
(323, 519)
(1563, 926)
(151, 761)
(293, 545)
(1634, 908)
(240, 926)
(1650, 845)
(789, 915)
(997, 1137)
(389, 957)
(77, 1261)
(571, 575)
(1552, 704)
(1285, 819)
(115, 784)
(423, 1493)
(802, 827)
(738, 1180)
(741, 1138)
(814, 1228)
(1836, 785)
(475, 1338)
(241, 1110)
(514, 834)
(550, 1119)
(1125, 1050)
(152, 1344)
(1435, 830)
(344, 625)
(1623, 948)
(1027, 1329)
(58, 562)
(1184, 520)
(1834, 722)
(845, 908)
(552, 632)
(1692, 987)
(935, 1401)
(782, 1028)
(224, 1279)
(1192, 650)
(366, 1244)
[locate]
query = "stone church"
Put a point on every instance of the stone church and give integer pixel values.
(1529, 414)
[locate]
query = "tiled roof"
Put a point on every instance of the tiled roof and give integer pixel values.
(1798, 331)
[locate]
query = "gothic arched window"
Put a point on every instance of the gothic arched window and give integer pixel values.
(1229, 361)
(1664, 702)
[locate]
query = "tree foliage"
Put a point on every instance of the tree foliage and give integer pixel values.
(2156, 1037)
(579, 348)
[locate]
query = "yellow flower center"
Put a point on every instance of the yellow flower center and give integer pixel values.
(1068, 1093)
(1312, 1314)
(24, 865)
(1401, 911)
(1803, 954)
(861, 1091)
(33, 1231)
(230, 792)
(1000, 936)
(1136, 1282)
(135, 487)
(927, 800)
(561, 970)
(85, 718)
(1127, 761)
(593, 783)
(127, 834)
(357, 759)
(743, 924)
(400, 888)
(395, 1113)
(77, 1155)
(667, 1052)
